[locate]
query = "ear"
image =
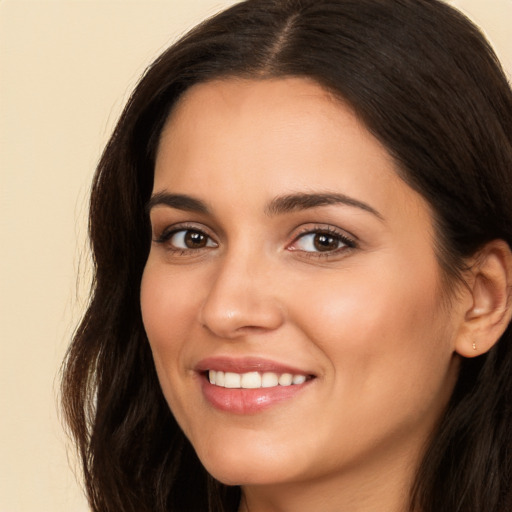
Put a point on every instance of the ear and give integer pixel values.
(489, 285)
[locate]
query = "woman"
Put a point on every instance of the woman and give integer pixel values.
(301, 232)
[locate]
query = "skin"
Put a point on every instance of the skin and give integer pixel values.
(370, 321)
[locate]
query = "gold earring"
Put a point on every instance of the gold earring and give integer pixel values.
(474, 346)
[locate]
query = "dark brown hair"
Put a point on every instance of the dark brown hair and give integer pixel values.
(428, 86)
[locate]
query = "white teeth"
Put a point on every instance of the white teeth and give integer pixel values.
(285, 379)
(219, 379)
(299, 379)
(269, 380)
(232, 380)
(253, 380)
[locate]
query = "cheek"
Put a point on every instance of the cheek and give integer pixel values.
(167, 304)
(358, 305)
(165, 307)
(383, 334)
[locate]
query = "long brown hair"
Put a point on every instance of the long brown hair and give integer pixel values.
(426, 83)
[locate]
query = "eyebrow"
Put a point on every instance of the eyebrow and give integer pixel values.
(305, 201)
(278, 206)
(177, 201)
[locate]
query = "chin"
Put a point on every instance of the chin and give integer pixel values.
(247, 475)
(238, 467)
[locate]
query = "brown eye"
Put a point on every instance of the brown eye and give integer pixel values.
(188, 239)
(325, 242)
(322, 241)
(195, 240)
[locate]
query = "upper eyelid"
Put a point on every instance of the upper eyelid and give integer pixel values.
(326, 228)
(164, 224)
(184, 226)
(347, 243)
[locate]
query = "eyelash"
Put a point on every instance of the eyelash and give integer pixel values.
(337, 235)
(346, 241)
(168, 233)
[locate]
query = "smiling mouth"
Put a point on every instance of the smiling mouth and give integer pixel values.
(248, 386)
(254, 380)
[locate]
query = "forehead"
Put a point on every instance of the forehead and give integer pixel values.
(279, 115)
(240, 94)
(260, 138)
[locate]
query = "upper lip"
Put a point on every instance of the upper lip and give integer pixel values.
(246, 364)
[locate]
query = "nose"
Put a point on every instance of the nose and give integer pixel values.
(242, 299)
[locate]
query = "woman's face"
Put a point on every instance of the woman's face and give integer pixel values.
(287, 249)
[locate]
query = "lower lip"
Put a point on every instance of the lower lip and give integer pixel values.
(248, 401)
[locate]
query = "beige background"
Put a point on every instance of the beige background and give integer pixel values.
(66, 68)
